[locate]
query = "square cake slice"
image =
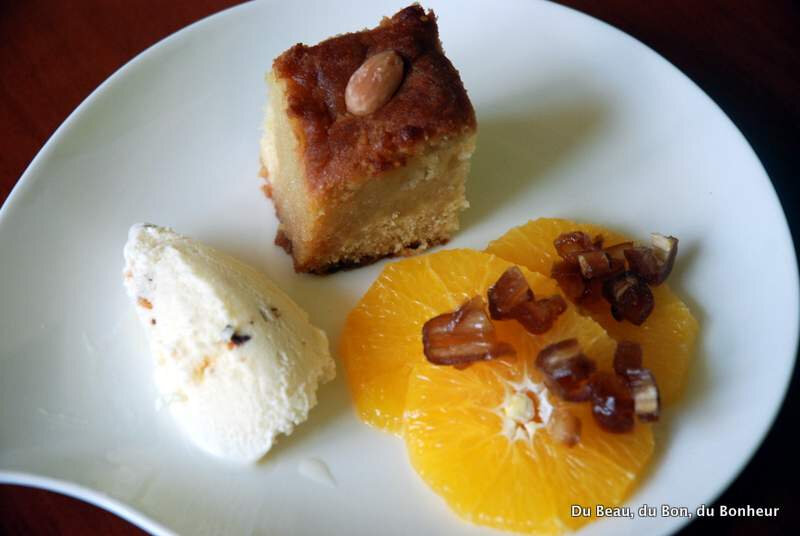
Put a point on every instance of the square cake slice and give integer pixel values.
(364, 166)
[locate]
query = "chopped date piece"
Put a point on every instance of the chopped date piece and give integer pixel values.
(627, 357)
(630, 298)
(617, 267)
(644, 262)
(666, 249)
(642, 383)
(654, 264)
(646, 399)
(566, 370)
(568, 245)
(581, 273)
(555, 303)
(593, 292)
(612, 402)
(594, 264)
(507, 293)
(564, 427)
(569, 278)
(512, 298)
(559, 350)
(617, 251)
(463, 336)
(594, 287)
(538, 316)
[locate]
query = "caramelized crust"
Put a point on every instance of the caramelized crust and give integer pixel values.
(429, 105)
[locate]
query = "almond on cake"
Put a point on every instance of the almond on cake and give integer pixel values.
(367, 144)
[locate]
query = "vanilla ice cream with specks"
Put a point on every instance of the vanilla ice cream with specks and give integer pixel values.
(236, 360)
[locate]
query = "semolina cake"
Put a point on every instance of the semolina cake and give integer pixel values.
(367, 143)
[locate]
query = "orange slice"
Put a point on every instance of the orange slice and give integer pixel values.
(667, 337)
(494, 472)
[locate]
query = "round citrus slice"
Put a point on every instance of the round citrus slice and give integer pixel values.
(667, 336)
(382, 338)
(496, 465)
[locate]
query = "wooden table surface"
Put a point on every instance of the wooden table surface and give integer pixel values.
(744, 54)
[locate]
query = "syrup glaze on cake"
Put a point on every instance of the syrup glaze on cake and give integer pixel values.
(338, 146)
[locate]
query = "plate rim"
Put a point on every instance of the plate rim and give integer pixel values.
(134, 516)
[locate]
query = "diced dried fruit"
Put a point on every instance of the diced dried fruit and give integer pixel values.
(617, 251)
(612, 402)
(568, 245)
(566, 370)
(627, 357)
(144, 302)
(644, 262)
(593, 292)
(538, 316)
(654, 264)
(463, 336)
(508, 292)
(666, 249)
(616, 267)
(511, 298)
(594, 264)
(630, 298)
(586, 265)
(569, 278)
(564, 427)
(647, 402)
(642, 383)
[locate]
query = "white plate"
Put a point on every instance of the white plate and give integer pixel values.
(576, 120)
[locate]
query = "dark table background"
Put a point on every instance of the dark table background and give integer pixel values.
(744, 54)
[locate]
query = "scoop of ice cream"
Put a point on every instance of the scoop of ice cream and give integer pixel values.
(236, 359)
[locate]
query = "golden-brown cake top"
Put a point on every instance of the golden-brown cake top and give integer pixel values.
(429, 104)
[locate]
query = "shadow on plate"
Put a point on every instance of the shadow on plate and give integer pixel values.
(514, 152)
(333, 402)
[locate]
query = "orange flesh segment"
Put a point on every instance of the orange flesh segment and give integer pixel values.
(667, 337)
